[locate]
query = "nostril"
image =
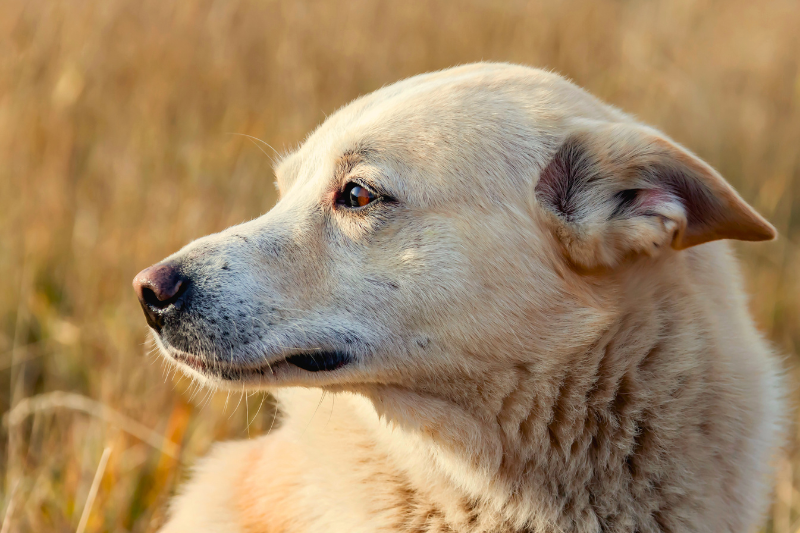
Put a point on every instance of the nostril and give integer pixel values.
(149, 297)
(160, 286)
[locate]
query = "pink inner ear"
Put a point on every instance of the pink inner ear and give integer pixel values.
(704, 210)
(650, 199)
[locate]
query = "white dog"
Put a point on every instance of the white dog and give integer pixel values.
(497, 279)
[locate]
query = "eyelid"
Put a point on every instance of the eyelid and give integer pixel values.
(380, 197)
(361, 183)
(374, 188)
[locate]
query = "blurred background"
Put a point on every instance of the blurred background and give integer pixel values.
(118, 146)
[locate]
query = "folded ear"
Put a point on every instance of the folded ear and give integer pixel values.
(616, 190)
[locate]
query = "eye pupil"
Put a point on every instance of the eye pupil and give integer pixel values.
(359, 196)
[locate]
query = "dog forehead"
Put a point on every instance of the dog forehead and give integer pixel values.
(463, 119)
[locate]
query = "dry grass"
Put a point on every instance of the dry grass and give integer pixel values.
(114, 123)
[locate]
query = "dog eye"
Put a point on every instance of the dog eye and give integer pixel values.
(355, 196)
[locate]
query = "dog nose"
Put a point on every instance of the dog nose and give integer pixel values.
(159, 287)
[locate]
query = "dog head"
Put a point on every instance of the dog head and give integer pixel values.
(446, 225)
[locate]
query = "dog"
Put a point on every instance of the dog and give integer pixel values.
(486, 302)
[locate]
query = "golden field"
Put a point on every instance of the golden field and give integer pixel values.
(117, 147)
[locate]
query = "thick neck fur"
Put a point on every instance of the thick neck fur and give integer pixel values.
(605, 440)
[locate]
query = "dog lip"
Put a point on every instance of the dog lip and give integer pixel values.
(319, 361)
(191, 361)
(311, 361)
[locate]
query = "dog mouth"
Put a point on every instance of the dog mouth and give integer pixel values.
(319, 361)
(312, 361)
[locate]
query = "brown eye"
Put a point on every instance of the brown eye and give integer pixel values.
(355, 196)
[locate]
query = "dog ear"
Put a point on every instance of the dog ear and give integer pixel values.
(619, 190)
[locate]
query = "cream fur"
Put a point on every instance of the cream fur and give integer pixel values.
(535, 343)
